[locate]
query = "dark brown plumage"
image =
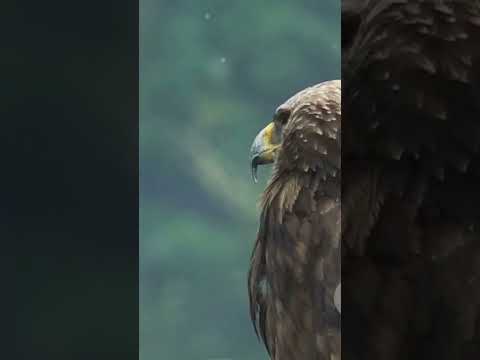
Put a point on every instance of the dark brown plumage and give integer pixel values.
(295, 265)
(410, 181)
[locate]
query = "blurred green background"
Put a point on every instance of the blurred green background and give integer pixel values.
(211, 75)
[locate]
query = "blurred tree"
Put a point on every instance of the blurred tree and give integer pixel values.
(211, 75)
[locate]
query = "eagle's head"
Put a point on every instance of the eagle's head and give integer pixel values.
(305, 133)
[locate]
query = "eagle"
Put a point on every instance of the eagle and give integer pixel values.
(410, 179)
(295, 275)
(408, 198)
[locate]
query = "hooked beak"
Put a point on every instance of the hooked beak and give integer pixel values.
(264, 148)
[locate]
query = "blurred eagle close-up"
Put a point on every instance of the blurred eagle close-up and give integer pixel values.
(295, 274)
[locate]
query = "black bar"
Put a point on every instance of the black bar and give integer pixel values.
(69, 179)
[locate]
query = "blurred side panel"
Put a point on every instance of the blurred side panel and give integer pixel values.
(411, 169)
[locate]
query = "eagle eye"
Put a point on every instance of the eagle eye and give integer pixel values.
(282, 116)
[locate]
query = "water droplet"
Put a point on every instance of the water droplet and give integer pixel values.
(223, 60)
(207, 16)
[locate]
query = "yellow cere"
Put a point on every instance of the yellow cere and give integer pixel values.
(268, 133)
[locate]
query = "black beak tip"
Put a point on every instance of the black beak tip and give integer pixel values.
(254, 168)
